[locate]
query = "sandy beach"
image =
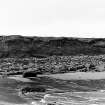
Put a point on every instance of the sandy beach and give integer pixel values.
(78, 76)
(67, 76)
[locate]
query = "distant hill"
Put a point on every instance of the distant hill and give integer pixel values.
(20, 46)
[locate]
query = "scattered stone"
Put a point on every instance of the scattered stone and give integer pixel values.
(33, 89)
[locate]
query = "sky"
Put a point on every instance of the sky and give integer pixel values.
(71, 18)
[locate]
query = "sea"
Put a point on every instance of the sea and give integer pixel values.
(58, 92)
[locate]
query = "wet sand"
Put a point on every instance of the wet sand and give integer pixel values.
(9, 93)
(73, 82)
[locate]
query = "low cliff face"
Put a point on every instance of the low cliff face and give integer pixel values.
(19, 46)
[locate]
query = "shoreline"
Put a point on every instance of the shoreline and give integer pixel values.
(65, 76)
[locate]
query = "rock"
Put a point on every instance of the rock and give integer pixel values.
(31, 74)
(33, 89)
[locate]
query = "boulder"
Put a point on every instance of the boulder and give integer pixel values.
(31, 74)
(33, 89)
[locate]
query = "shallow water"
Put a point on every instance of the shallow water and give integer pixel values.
(77, 92)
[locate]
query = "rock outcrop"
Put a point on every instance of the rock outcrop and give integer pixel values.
(33, 89)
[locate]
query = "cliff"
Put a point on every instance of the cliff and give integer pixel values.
(20, 46)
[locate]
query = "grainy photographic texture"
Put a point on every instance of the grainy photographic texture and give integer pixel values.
(52, 52)
(52, 70)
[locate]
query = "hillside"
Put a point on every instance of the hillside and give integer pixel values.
(19, 46)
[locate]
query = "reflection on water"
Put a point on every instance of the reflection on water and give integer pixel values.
(77, 92)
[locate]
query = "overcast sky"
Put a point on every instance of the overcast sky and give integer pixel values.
(80, 18)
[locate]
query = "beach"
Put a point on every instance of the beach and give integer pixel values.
(76, 91)
(78, 76)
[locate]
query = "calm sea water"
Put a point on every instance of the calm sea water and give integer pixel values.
(77, 92)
